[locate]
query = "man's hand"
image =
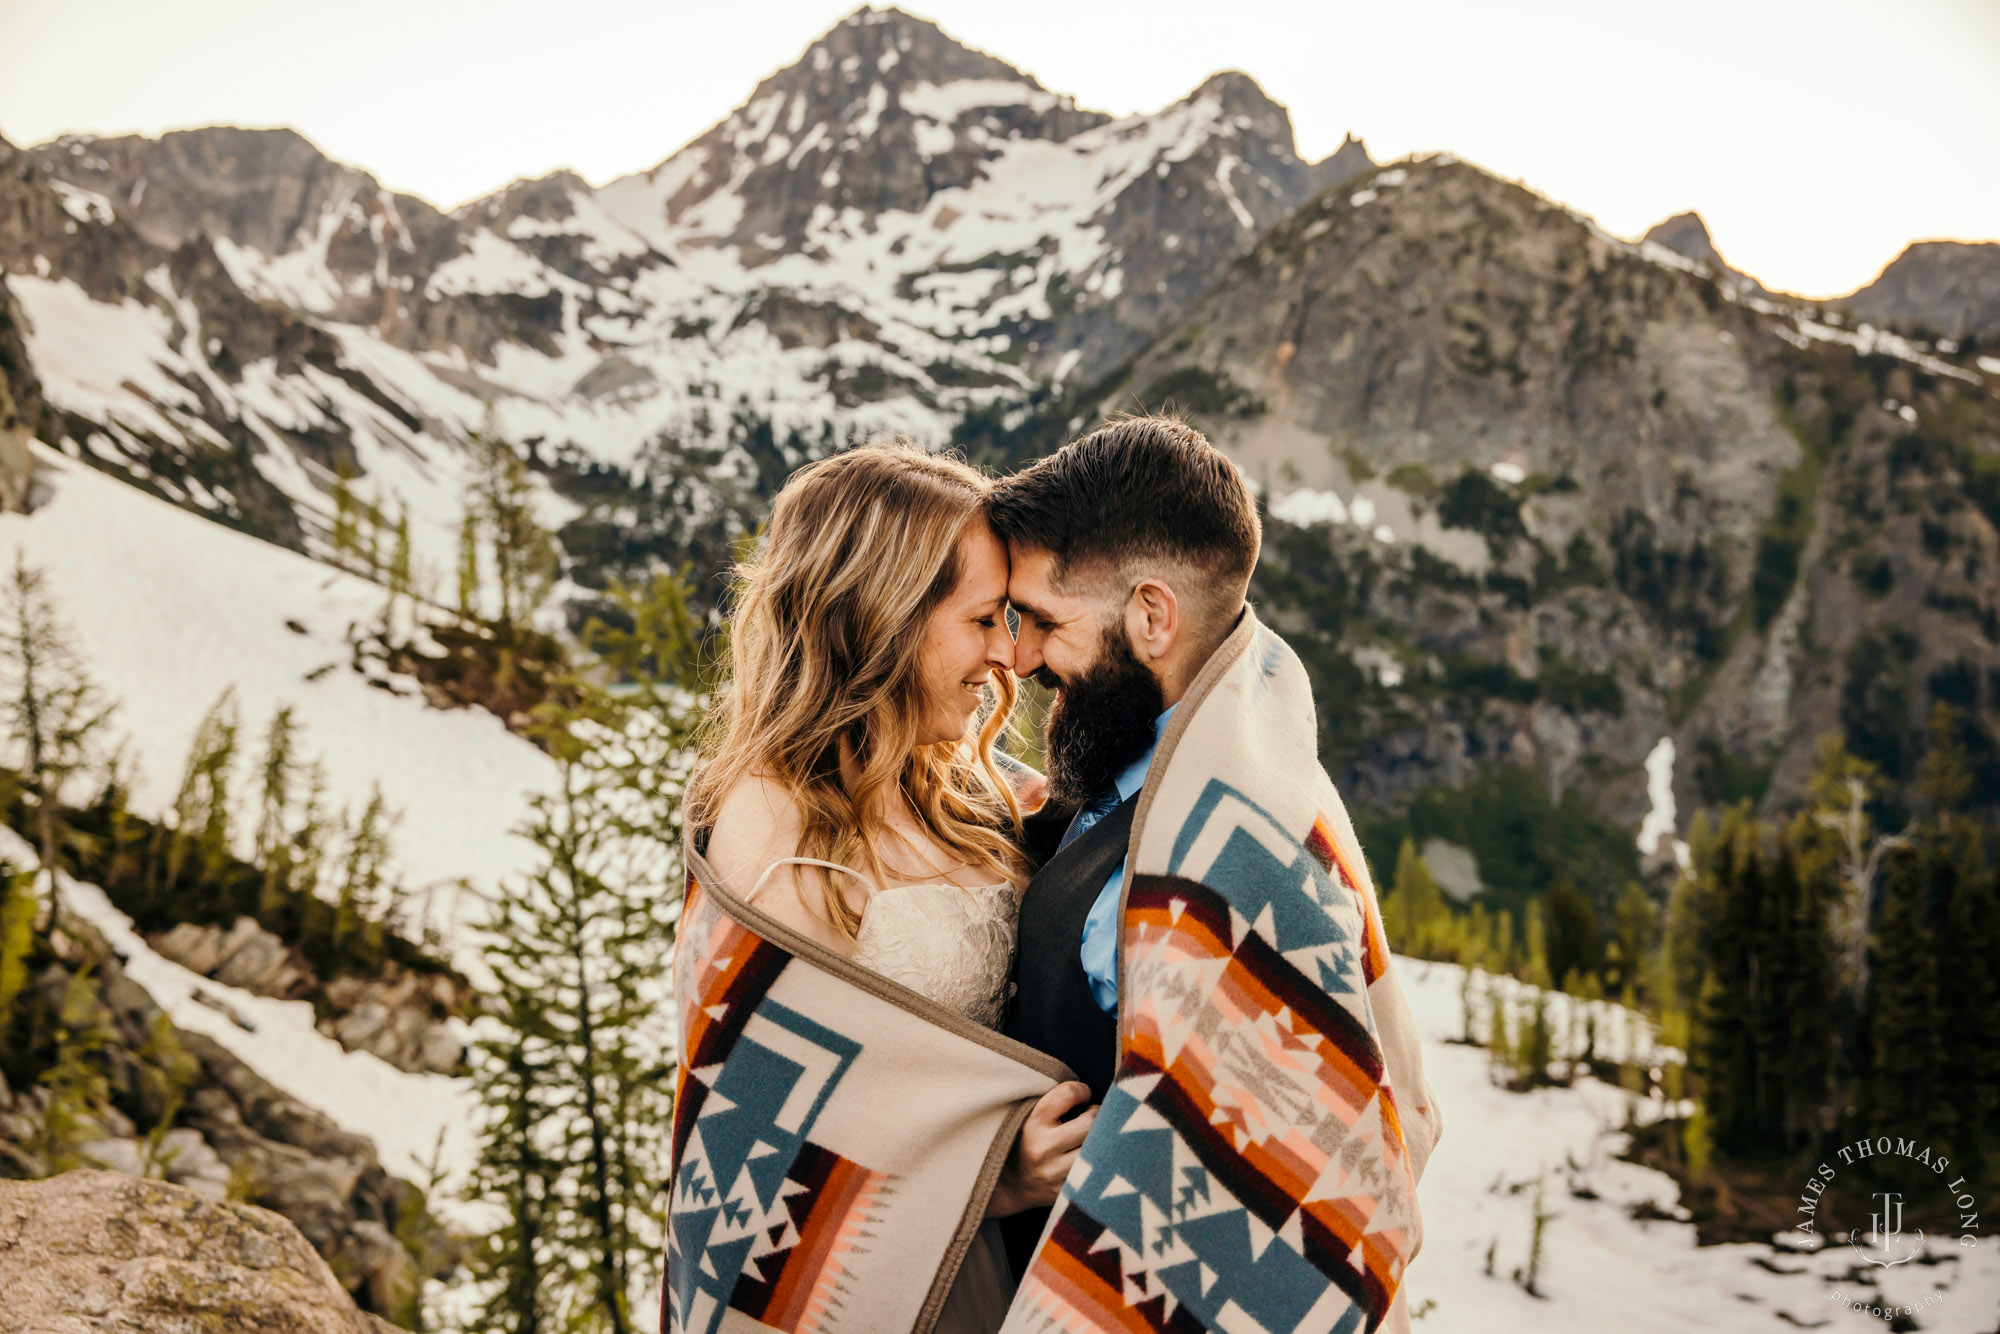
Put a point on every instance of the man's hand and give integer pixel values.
(1044, 1152)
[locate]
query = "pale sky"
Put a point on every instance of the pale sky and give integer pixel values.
(1816, 137)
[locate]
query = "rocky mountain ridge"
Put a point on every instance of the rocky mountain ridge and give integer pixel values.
(1950, 289)
(891, 233)
(1577, 497)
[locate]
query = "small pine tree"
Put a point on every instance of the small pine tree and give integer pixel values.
(166, 1073)
(1421, 926)
(272, 847)
(1535, 967)
(313, 833)
(1537, 1043)
(54, 713)
(202, 807)
(342, 537)
(20, 907)
(77, 1082)
(361, 900)
(1500, 1053)
(400, 583)
(1907, 1046)
(1636, 926)
(468, 565)
(513, 1173)
(502, 495)
(1574, 947)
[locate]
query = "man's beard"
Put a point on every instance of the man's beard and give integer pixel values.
(1102, 720)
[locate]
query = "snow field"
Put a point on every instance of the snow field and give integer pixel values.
(1603, 1270)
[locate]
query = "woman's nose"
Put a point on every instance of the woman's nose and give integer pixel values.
(1000, 648)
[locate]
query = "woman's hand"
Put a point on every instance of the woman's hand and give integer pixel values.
(1044, 1152)
(1031, 786)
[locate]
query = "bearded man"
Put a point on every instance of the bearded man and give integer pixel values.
(1202, 944)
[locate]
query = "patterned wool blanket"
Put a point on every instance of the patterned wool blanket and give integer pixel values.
(836, 1136)
(1254, 1165)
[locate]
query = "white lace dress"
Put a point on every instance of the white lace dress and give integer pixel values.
(953, 945)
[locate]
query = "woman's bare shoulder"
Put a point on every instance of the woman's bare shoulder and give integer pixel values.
(756, 823)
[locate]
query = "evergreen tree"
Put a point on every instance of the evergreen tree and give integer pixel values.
(1414, 915)
(1534, 968)
(1907, 1053)
(271, 847)
(77, 1082)
(1801, 1033)
(1841, 791)
(361, 901)
(1635, 928)
(1537, 1043)
(1727, 1015)
(1500, 1036)
(576, 1083)
(342, 538)
(468, 565)
(1574, 949)
(20, 906)
(1969, 954)
(502, 496)
(513, 1173)
(201, 833)
(400, 582)
(54, 713)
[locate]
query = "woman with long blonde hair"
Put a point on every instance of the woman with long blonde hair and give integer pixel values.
(848, 787)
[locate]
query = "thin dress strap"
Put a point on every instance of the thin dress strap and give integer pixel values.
(758, 888)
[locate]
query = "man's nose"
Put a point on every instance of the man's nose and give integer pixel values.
(1027, 656)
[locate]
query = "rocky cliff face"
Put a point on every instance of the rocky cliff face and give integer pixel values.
(22, 413)
(1948, 288)
(1570, 496)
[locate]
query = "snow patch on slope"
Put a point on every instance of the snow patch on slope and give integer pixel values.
(168, 609)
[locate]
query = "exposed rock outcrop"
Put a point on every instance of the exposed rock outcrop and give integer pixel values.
(233, 1135)
(109, 1253)
(1950, 288)
(21, 410)
(400, 1017)
(1687, 236)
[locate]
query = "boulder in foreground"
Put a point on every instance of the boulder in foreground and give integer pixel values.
(98, 1251)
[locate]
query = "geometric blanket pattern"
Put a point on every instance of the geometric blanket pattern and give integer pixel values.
(1250, 1169)
(811, 1095)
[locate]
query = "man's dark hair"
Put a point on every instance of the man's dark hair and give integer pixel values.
(1140, 488)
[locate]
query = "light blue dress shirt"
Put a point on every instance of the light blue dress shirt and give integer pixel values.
(1099, 950)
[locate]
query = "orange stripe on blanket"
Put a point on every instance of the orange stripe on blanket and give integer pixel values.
(813, 1270)
(1374, 945)
(1062, 1288)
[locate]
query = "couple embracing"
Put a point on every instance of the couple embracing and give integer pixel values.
(965, 1047)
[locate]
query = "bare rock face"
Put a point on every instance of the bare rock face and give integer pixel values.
(1947, 287)
(1687, 235)
(20, 410)
(397, 1017)
(99, 1251)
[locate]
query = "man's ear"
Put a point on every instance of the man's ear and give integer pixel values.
(1153, 620)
